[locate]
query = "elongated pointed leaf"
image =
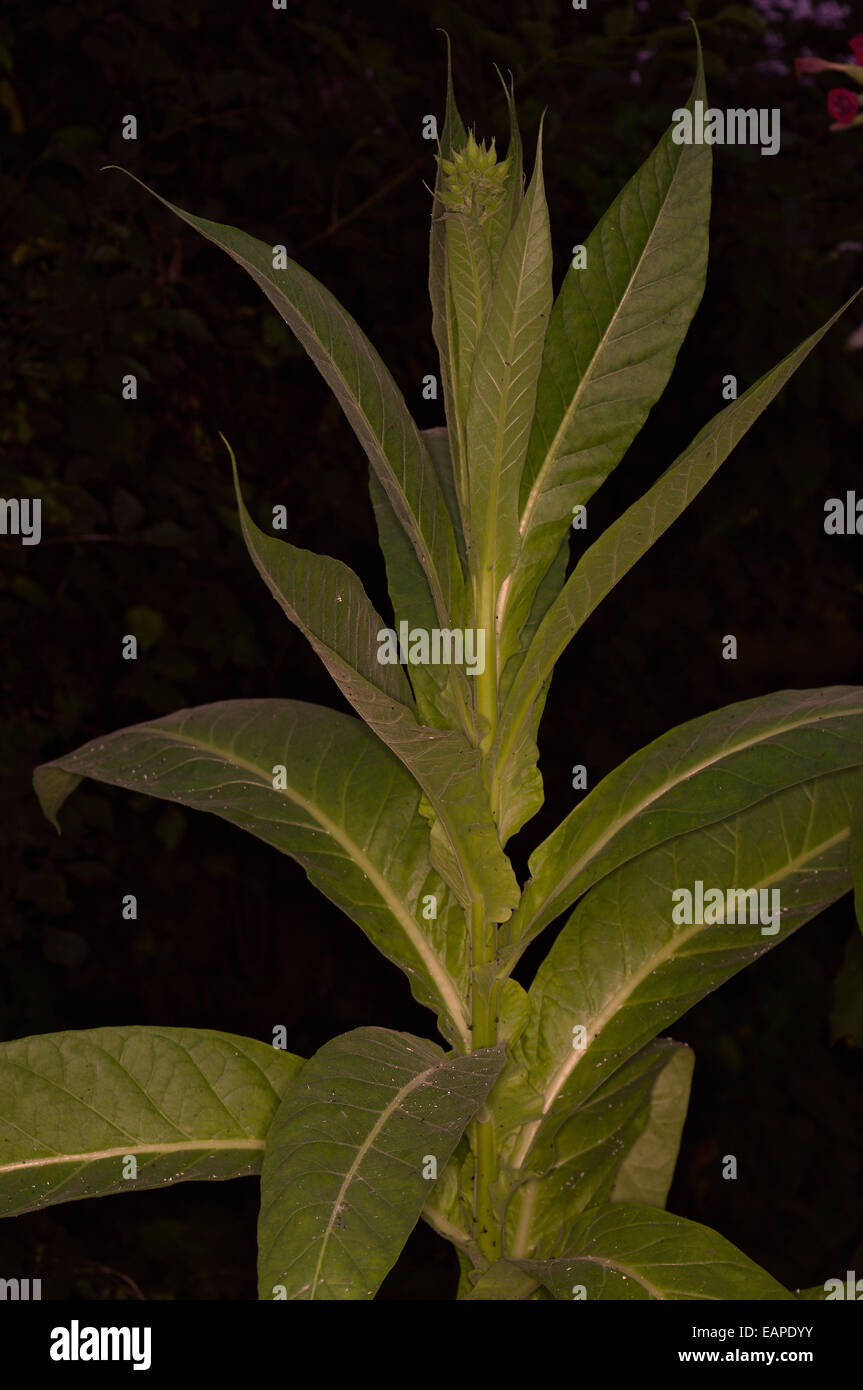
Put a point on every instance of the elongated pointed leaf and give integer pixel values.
(183, 1103)
(627, 963)
(367, 394)
(502, 220)
(438, 445)
(503, 385)
(696, 775)
(326, 601)
(453, 134)
(443, 694)
(344, 807)
(593, 1145)
(349, 1163)
(613, 338)
(469, 266)
(516, 784)
(627, 1252)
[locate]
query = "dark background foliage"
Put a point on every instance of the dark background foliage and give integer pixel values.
(303, 126)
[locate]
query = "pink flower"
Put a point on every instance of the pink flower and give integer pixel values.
(856, 46)
(842, 105)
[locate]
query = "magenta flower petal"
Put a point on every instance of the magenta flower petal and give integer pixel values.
(842, 105)
(856, 46)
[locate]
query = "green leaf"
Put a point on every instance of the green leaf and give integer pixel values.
(328, 604)
(347, 812)
(646, 1173)
(627, 963)
(504, 1281)
(503, 388)
(627, 1252)
(443, 695)
(342, 1184)
(186, 1103)
(613, 337)
(368, 396)
(502, 220)
(469, 266)
(437, 442)
(443, 324)
(694, 776)
(516, 785)
(590, 1144)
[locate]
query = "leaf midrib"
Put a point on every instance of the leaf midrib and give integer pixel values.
(357, 856)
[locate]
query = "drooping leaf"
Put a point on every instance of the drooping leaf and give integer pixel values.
(696, 775)
(627, 1252)
(367, 394)
(613, 338)
(516, 784)
(352, 1160)
(328, 604)
(627, 962)
(344, 807)
(108, 1110)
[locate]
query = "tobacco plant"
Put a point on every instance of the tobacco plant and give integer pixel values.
(541, 1138)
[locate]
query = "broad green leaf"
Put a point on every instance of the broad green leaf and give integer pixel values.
(626, 964)
(452, 134)
(503, 392)
(368, 396)
(504, 1281)
(590, 1146)
(350, 1159)
(469, 266)
(694, 776)
(613, 338)
(628, 1252)
(344, 807)
(184, 1103)
(516, 784)
(817, 1294)
(646, 1173)
(328, 604)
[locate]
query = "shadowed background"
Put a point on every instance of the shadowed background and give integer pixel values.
(303, 126)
